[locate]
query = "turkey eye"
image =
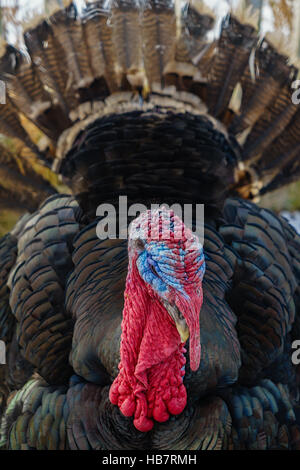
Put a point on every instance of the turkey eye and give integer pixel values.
(139, 244)
(153, 270)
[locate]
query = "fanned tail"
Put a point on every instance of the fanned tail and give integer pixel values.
(122, 56)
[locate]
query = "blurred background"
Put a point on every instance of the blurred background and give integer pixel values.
(19, 186)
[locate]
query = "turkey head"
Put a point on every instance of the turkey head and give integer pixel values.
(163, 297)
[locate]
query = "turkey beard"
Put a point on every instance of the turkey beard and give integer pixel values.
(150, 380)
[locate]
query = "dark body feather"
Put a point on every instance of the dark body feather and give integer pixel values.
(245, 370)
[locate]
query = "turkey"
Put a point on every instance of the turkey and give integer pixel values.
(159, 341)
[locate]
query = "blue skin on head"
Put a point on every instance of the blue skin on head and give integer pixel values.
(157, 264)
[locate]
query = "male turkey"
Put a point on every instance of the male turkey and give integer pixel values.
(137, 102)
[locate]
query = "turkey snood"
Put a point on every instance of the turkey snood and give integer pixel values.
(163, 297)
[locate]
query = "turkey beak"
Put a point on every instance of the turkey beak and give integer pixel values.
(179, 321)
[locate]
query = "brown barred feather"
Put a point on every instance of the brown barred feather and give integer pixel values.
(159, 33)
(49, 57)
(234, 48)
(67, 29)
(127, 38)
(271, 124)
(273, 76)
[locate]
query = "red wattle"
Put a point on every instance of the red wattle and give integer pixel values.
(150, 382)
(143, 424)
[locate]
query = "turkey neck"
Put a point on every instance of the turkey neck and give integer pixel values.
(150, 381)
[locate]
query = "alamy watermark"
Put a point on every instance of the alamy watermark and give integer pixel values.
(2, 92)
(2, 353)
(296, 95)
(192, 215)
(296, 353)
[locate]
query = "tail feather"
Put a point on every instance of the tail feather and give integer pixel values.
(23, 87)
(27, 94)
(196, 20)
(279, 165)
(29, 97)
(27, 91)
(186, 70)
(48, 58)
(67, 28)
(289, 174)
(11, 125)
(99, 38)
(96, 54)
(274, 72)
(271, 124)
(234, 48)
(159, 34)
(128, 41)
